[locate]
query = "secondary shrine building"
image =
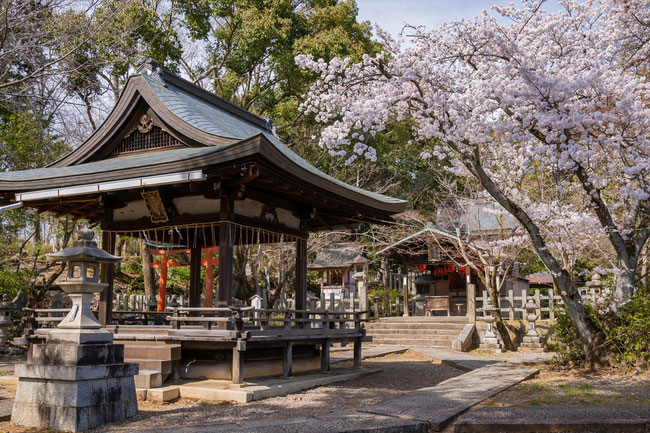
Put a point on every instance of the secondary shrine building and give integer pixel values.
(176, 165)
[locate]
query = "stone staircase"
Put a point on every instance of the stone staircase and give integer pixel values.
(418, 331)
(156, 360)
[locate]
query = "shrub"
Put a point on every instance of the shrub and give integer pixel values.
(566, 341)
(625, 330)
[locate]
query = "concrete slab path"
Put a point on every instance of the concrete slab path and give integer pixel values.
(555, 418)
(6, 405)
(438, 405)
(259, 389)
(367, 352)
(461, 360)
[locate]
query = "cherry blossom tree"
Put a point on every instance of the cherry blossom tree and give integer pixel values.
(560, 96)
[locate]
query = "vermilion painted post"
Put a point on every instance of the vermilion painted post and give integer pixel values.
(162, 286)
(209, 277)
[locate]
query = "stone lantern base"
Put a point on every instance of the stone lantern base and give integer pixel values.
(76, 381)
(531, 343)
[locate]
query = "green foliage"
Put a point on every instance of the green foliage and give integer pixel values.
(566, 341)
(626, 332)
(627, 329)
(11, 281)
(25, 143)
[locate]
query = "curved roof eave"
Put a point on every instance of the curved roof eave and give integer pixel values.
(167, 94)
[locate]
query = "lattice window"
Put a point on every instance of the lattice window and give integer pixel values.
(136, 141)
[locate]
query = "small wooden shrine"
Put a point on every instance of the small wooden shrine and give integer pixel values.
(174, 164)
(337, 264)
(433, 264)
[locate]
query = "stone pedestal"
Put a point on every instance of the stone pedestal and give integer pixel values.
(76, 381)
(491, 340)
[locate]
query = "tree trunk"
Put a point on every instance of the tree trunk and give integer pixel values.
(119, 245)
(644, 267)
(148, 273)
(625, 281)
(493, 291)
(589, 333)
(38, 238)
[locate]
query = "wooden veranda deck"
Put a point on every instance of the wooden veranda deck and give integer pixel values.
(235, 330)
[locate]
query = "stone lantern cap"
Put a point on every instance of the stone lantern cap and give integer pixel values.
(6, 304)
(489, 306)
(531, 305)
(84, 250)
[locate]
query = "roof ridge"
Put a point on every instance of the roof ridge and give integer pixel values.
(164, 76)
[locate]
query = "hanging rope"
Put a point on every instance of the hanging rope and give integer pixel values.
(193, 235)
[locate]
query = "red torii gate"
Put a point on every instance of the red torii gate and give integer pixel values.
(166, 262)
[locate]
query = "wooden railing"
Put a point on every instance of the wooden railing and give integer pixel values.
(231, 318)
(265, 319)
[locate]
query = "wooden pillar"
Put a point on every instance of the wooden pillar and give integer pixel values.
(237, 365)
(357, 353)
(195, 277)
(162, 283)
(325, 356)
(225, 265)
(209, 279)
(107, 274)
(301, 278)
(405, 289)
(287, 360)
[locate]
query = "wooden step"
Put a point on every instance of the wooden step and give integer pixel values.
(164, 352)
(163, 367)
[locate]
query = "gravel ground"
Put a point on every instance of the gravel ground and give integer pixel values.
(400, 373)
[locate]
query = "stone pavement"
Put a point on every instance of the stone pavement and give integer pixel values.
(261, 388)
(440, 404)
(6, 404)
(348, 422)
(367, 352)
(461, 360)
(555, 418)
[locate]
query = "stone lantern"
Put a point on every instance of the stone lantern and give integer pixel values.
(81, 284)
(376, 297)
(531, 341)
(5, 318)
(490, 339)
(78, 379)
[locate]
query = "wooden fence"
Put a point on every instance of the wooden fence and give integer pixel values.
(512, 307)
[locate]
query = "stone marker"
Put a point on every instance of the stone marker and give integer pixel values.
(78, 379)
(5, 318)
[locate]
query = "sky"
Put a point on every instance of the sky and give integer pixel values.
(392, 15)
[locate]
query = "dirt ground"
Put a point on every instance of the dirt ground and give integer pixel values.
(400, 373)
(553, 386)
